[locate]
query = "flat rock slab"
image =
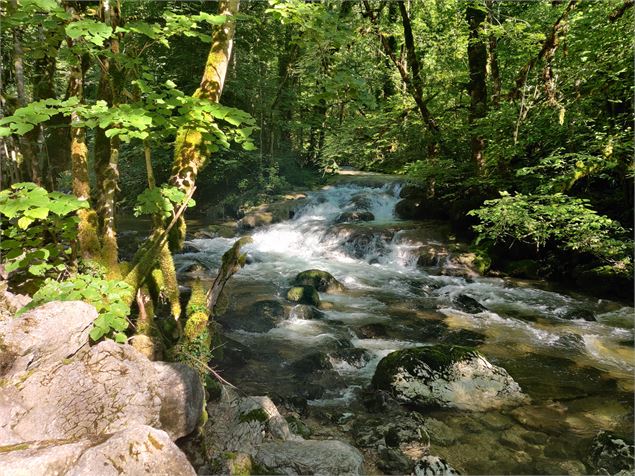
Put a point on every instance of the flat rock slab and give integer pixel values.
(137, 450)
(327, 457)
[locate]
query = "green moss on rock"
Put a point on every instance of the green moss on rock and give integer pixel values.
(320, 280)
(304, 295)
(436, 357)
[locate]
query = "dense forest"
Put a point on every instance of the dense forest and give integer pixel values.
(509, 121)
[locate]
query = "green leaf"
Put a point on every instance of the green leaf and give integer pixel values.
(24, 222)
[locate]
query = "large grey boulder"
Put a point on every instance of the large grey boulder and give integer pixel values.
(44, 336)
(108, 389)
(446, 376)
(327, 457)
(65, 405)
(137, 450)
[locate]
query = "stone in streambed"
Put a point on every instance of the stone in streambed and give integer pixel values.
(579, 314)
(468, 304)
(321, 280)
(304, 295)
(433, 466)
(611, 454)
(446, 376)
(355, 216)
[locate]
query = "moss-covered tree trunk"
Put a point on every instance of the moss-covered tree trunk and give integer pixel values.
(189, 154)
(107, 150)
(87, 235)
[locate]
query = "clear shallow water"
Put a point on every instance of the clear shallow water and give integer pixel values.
(578, 374)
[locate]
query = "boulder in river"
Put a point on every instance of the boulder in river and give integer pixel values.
(421, 209)
(446, 376)
(355, 216)
(304, 295)
(323, 281)
(579, 313)
(468, 304)
(433, 466)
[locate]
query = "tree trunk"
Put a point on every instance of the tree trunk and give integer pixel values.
(189, 149)
(27, 141)
(107, 151)
(494, 70)
(414, 83)
(477, 63)
(188, 155)
(549, 46)
(87, 235)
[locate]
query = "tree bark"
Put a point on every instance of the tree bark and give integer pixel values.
(87, 235)
(413, 83)
(27, 141)
(189, 149)
(189, 155)
(549, 46)
(494, 69)
(477, 63)
(107, 151)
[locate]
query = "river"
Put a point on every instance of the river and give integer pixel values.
(318, 365)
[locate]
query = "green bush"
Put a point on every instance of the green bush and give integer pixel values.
(39, 230)
(569, 221)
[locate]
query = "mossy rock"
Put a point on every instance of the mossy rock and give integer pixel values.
(304, 295)
(436, 357)
(321, 280)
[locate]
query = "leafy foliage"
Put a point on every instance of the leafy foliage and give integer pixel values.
(160, 201)
(111, 298)
(39, 231)
(538, 219)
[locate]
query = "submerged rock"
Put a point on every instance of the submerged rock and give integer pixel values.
(446, 376)
(321, 280)
(261, 316)
(304, 311)
(355, 216)
(304, 295)
(611, 454)
(580, 314)
(393, 461)
(468, 304)
(327, 457)
(433, 466)
(311, 363)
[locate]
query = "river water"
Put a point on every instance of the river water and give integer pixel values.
(578, 374)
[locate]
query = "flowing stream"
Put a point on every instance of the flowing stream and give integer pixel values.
(578, 374)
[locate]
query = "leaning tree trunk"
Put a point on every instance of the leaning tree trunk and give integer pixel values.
(413, 82)
(477, 63)
(548, 47)
(189, 153)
